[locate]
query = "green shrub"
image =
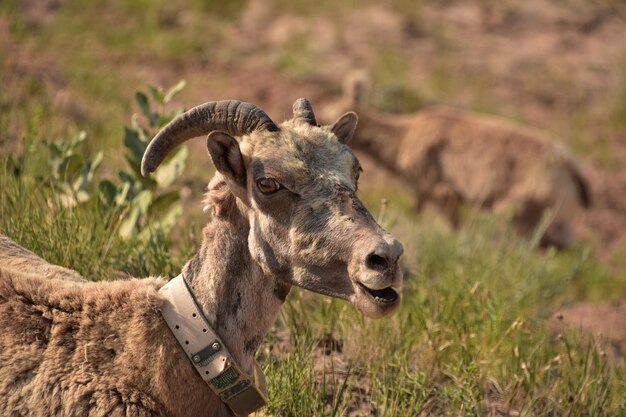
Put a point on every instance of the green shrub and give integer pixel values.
(54, 203)
(147, 201)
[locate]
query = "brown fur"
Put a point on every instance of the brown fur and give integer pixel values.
(16, 258)
(450, 157)
(70, 347)
(92, 349)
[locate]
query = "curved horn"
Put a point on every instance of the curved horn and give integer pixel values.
(232, 116)
(303, 112)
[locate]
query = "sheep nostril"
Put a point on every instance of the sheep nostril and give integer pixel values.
(376, 262)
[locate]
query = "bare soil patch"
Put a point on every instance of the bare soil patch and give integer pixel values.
(606, 322)
(605, 221)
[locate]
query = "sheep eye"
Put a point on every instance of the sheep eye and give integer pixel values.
(268, 185)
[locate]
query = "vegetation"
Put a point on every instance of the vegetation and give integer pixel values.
(470, 339)
(54, 190)
(473, 334)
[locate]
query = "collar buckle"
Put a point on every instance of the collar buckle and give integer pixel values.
(245, 396)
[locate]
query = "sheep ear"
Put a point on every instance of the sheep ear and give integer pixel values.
(345, 126)
(226, 156)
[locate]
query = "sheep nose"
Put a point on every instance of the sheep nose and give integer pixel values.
(385, 256)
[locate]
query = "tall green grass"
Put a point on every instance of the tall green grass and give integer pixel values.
(471, 337)
(84, 237)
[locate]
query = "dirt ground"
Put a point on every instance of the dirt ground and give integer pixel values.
(606, 322)
(541, 62)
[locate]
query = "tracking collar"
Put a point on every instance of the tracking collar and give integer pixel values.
(208, 354)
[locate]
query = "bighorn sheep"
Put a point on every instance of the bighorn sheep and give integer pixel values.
(284, 213)
(449, 156)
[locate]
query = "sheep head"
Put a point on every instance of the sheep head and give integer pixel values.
(295, 183)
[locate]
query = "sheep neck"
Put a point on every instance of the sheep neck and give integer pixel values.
(239, 301)
(377, 137)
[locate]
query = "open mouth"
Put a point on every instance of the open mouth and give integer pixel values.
(385, 296)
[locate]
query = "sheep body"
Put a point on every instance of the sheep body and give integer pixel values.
(449, 157)
(15, 257)
(92, 349)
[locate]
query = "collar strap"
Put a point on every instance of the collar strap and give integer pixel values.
(208, 354)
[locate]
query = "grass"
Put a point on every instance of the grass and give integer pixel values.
(100, 36)
(83, 238)
(471, 336)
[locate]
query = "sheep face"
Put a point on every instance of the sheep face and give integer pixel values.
(297, 188)
(295, 184)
